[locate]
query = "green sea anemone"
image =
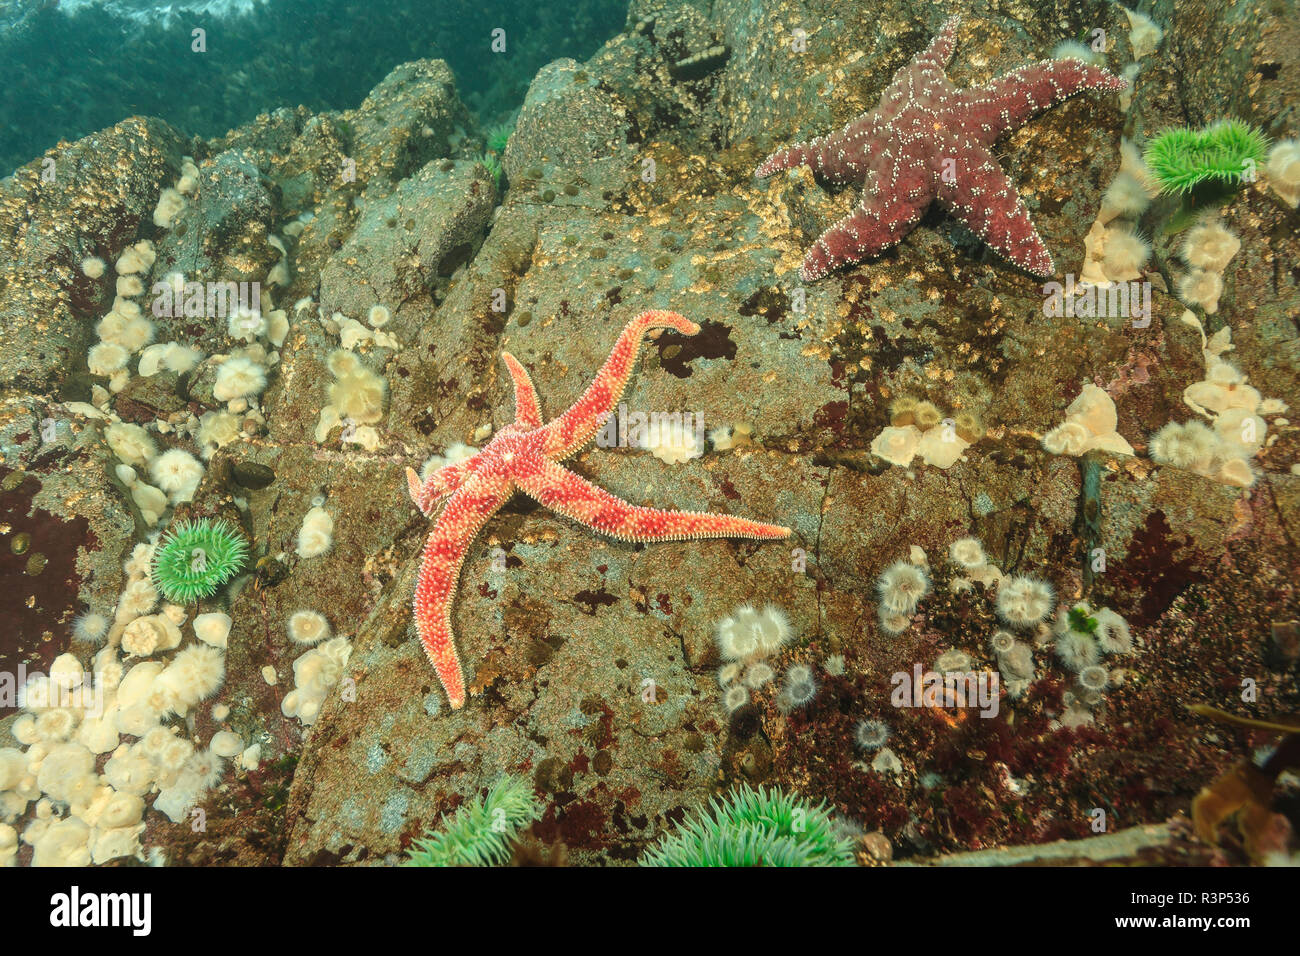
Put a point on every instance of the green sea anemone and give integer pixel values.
(751, 827)
(1081, 621)
(482, 832)
(1225, 153)
(196, 557)
(498, 136)
(493, 166)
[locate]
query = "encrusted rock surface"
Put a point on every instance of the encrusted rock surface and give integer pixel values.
(594, 662)
(86, 199)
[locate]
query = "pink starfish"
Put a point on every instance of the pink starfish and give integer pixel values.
(928, 141)
(524, 456)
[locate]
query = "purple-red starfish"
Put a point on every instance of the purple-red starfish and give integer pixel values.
(928, 141)
(524, 456)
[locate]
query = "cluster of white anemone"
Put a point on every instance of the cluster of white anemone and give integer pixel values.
(132, 705)
(727, 437)
(356, 401)
(239, 379)
(1082, 651)
(125, 330)
(139, 597)
(1015, 661)
(1222, 449)
(1090, 423)
(1026, 604)
(142, 686)
(452, 455)
(175, 474)
(353, 334)
(973, 565)
(1113, 249)
(241, 374)
(70, 717)
(919, 428)
(1207, 249)
(154, 481)
(746, 640)
(1022, 602)
(172, 200)
(315, 673)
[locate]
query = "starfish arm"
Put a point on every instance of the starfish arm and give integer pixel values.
(819, 153)
(528, 412)
(577, 426)
(936, 56)
(879, 221)
(800, 154)
(834, 158)
(981, 197)
(566, 493)
(460, 522)
(442, 482)
(1012, 98)
(415, 488)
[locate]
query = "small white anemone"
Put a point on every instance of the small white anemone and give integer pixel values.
(1024, 601)
(1283, 170)
(316, 536)
(1201, 287)
(1190, 445)
(238, 377)
(178, 473)
(901, 587)
(105, 358)
(90, 626)
(1124, 254)
(1076, 650)
(213, 629)
(308, 627)
(897, 445)
(1068, 438)
(1094, 678)
(735, 697)
(1113, 633)
(245, 324)
(1210, 245)
(967, 553)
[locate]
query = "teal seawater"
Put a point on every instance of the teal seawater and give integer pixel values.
(66, 74)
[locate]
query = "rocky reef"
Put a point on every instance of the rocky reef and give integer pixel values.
(394, 267)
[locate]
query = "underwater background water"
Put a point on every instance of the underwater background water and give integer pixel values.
(70, 68)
